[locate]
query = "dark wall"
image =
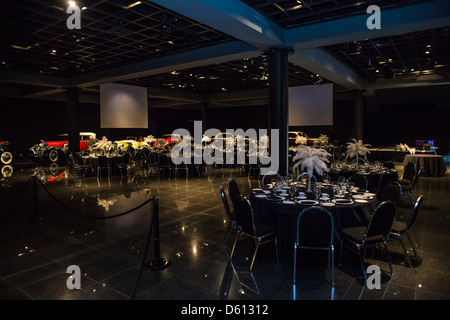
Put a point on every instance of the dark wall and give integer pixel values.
(407, 114)
(25, 122)
(392, 116)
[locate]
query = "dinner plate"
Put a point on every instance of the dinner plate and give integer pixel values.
(328, 204)
(361, 201)
(369, 194)
(258, 191)
(261, 196)
(343, 201)
(308, 202)
(272, 198)
(288, 202)
(362, 197)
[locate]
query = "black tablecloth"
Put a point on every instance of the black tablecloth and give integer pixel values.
(373, 178)
(432, 165)
(285, 217)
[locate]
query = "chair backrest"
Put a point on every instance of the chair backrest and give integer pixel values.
(304, 175)
(381, 221)
(415, 212)
(409, 172)
(233, 189)
(315, 227)
(384, 180)
(391, 192)
(270, 177)
(226, 204)
(359, 180)
(416, 177)
(244, 215)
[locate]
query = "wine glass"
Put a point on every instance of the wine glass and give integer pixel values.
(326, 179)
(317, 192)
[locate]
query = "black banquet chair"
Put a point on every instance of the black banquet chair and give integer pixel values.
(230, 214)
(246, 226)
(400, 229)
(233, 189)
(409, 186)
(360, 181)
(391, 192)
(376, 233)
(315, 231)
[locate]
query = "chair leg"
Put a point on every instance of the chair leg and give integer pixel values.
(361, 260)
(405, 251)
(331, 252)
(234, 245)
(294, 277)
(254, 255)
(389, 258)
(412, 244)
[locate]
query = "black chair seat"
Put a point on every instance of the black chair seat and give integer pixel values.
(398, 227)
(356, 234)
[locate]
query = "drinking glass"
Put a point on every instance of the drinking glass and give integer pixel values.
(317, 192)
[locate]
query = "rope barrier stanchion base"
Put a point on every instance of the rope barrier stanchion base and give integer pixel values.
(158, 264)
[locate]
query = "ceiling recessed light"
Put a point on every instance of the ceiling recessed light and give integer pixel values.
(133, 5)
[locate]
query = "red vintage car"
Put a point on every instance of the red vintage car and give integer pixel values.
(52, 150)
(6, 156)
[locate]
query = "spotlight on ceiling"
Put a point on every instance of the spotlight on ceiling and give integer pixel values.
(165, 29)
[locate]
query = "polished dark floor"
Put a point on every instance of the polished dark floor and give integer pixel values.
(71, 227)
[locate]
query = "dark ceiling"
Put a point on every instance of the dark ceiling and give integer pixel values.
(297, 13)
(116, 33)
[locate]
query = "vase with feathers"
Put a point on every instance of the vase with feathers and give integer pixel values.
(310, 159)
(356, 149)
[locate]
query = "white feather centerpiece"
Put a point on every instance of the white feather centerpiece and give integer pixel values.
(310, 159)
(357, 148)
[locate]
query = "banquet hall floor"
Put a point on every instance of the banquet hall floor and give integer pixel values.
(74, 224)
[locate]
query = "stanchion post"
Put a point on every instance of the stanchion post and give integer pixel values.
(157, 263)
(36, 218)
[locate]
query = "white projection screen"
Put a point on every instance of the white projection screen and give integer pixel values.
(123, 106)
(311, 105)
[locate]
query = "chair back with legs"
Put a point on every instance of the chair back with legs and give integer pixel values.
(375, 233)
(400, 229)
(315, 230)
(414, 213)
(245, 224)
(230, 215)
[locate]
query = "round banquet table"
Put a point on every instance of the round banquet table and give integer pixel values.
(373, 176)
(432, 165)
(285, 217)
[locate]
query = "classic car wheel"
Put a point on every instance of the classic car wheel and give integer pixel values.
(6, 157)
(7, 171)
(53, 155)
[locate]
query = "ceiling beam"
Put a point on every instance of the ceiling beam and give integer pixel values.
(424, 16)
(231, 17)
(33, 79)
(322, 63)
(215, 54)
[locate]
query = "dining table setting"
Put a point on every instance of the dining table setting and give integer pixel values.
(281, 202)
